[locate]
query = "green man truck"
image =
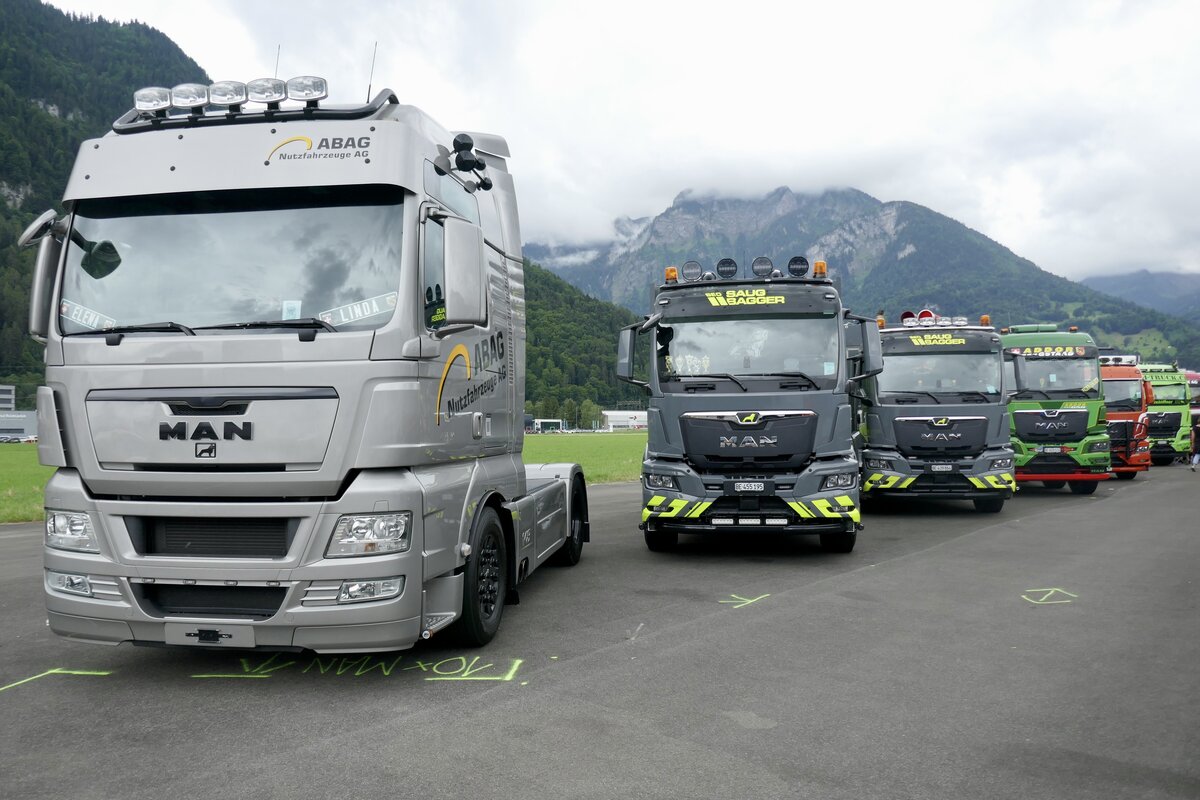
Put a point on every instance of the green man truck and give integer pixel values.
(1168, 417)
(285, 365)
(936, 419)
(1058, 420)
(750, 422)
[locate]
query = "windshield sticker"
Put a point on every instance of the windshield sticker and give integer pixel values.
(744, 297)
(927, 339)
(1059, 351)
(353, 312)
(291, 309)
(829, 367)
(82, 315)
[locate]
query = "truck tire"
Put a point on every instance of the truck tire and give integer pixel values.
(838, 542)
(1083, 487)
(1054, 484)
(1126, 476)
(989, 505)
(661, 541)
(572, 549)
(1162, 461)
(485, 582)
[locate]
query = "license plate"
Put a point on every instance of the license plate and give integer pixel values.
(1051, 450)
(941, 467)
(208, 635)
(749, 486)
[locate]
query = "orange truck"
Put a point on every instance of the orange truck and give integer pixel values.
(1127, 395)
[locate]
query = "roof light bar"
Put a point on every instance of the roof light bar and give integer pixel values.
(228, 93)
(691, 270)
(152, 98)
(189, 96)
(798, 266)
(267, 90)
(308, 88)
(761, 266)
(727, 268)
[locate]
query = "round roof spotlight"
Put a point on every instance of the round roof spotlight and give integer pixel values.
(798, 266)
(691, 270)
(266, 90)
(761, 266)
(307, 88)
(926, 317)
(230, 94)
(152, 98)
(727, 268)
(906, 316)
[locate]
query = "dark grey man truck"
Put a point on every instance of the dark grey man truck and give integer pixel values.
(751, 421)
(285, 376)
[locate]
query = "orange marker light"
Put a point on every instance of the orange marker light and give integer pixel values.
(881, 322)
(818, 269)
(985, 320)
(672, 274)
(1073, 328)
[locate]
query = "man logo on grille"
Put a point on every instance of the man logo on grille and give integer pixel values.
(940, 422)
(748, 418)
(206, 449)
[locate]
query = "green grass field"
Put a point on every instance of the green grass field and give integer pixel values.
(21, 481)
(605, 457)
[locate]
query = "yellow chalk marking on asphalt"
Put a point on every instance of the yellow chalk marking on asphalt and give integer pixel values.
(55, 671)
(740, 602)
(1045, 600)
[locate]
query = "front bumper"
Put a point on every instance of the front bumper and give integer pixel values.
(943, 479)
(283, 602)
(1070, 461)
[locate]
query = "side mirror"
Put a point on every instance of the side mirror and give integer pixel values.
(465, 277)
(872, 350)
(626, 346)
(45, 268)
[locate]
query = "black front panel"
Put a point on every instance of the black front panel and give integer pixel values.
(1120, 433)
(1050, 465)
(941, 436)
(1164, 424)
(1050, 425)
(718, 443)
(210, 537)
(213, 601)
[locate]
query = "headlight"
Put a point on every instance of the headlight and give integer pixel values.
(365, 591)
(370, 535)
(842, 480)
(878, 463)
(1097, 447)
(67, 531)
(661, 482)
(1001, 463)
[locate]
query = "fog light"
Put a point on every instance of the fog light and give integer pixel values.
(69, 584)
(68, 531)
(366, 591)
(370, 535)
(722, 521)
(749, 521)
(777, 521)
(661, 482)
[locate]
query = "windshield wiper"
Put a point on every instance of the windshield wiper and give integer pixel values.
(1070, 392)
(302, 322)
(149, 327)
(718, 375)
(930, 395)
(964, 392)
(1030, 393)
(793, 374)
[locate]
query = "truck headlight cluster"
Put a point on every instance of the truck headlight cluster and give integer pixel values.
(840, 480)
(370, 535)
(1001, 463)
(1097, 447)
(69, 584)
(70, 531)
(878, 463)
(660, 482)
(365, 591)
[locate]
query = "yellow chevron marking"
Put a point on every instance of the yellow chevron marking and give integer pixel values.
(907, 482)
(801, 509)
(698, 509)
(653, 503)
(976, 482)
(676, 507)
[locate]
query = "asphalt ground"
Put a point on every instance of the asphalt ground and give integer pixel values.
(1049, 651)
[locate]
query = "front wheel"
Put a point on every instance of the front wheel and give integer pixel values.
(572, 549)
(1126, 476)
(989, 505)
(1054, 484)
(1083, 487)
(486, 582)
(838, 542)
(661, 541)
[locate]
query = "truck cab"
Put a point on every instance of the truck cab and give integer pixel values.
(1127, 396)
(751, 420)
(285, 368)
(1058, 420)
(1169, 415)
(936, 419)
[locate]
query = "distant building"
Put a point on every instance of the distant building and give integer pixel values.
(18, 424)
(624, 420)
(8, 398)
(547, 425)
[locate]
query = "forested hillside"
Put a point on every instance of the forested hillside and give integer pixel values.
(63, 79)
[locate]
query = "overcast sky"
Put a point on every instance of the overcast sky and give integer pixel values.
(1067, 131)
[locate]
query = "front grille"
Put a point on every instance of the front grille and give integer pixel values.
(941, 483)
(213, 601)
(1165, 425)
(211, 537)
(780, 441)
(1050, 425)
(949, 437)
(1050, 464)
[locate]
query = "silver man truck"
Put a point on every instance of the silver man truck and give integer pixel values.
(285, 375)
(936, 419)
(751, 422)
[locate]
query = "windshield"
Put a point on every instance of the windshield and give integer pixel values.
(1123, 394)
(216, 258)
(941, 373)
(1171, 393)
(1060, 377)
(756, 346)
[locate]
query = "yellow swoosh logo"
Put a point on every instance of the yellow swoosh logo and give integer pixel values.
(307, 144)
(459, 351)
